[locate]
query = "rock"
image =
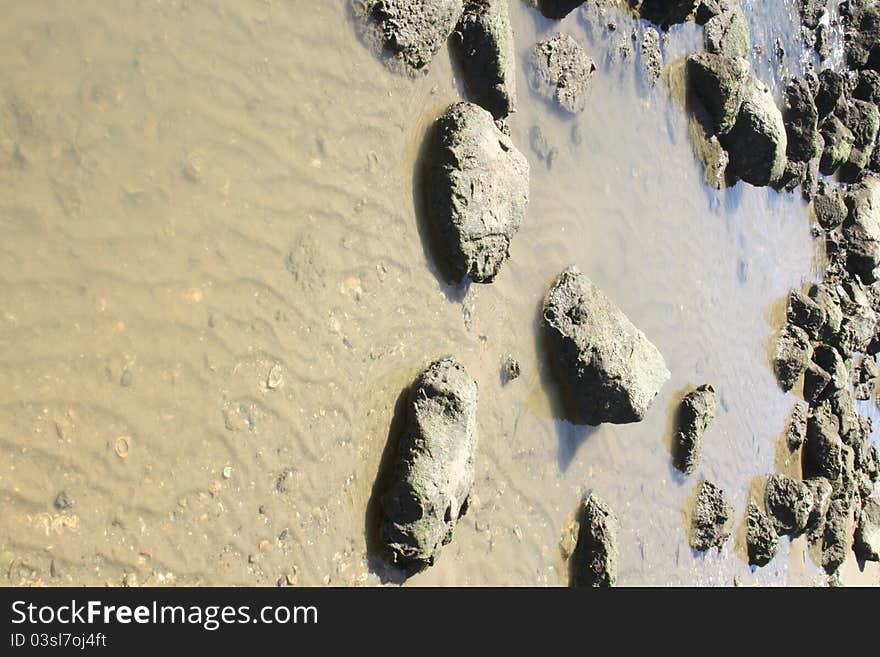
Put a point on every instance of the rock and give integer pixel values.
(558, 8)
(511, 369)
(561, 70)
(796, 432)
(859, 321)
(805, 313)
(541, 146)
(822, 45)
(595, 558)
(812, 12)
(863, 120)
(413, 31)
(862, 35)
(485, 44)
(709, 151)
(831, 362)
(866, 374)
(434, 468)
(788, 502)
(696, 412)
(837, 536)
(712, 518)
(867, 87)
(792, 355)
(652, 58)
(816, 381)
(762, 542)
(825, 454)
(719, 83)
(757, 142)
(838, 141)
(611, 371)
(830, 94)
(821, 490)
(668, 12)
(478, 192)
(870, 462)
(709, 9)
(63, 501)
(861, 230)
(826, 298)
(866, 542)
(829, 207)
(728, 33)
(801, 121)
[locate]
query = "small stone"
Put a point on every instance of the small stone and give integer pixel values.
(63, 501)
(696, 412)
(275, 378)
(227, 472)
(122, 446)
(511, 368)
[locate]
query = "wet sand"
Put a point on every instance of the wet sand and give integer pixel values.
(213, 251)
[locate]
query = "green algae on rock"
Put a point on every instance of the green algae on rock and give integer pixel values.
(434, 468)
(611, 372)
(484, 40)
(478, 192)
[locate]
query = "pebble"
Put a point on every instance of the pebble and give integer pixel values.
(227, 472)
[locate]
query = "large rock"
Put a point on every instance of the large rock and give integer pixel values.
(719, 83)
(434, 468)
(728, 33)
(478, 192)
(838, 144)
(863, 120)
(485, 44)
(611, 371)
(757, 142)
(867, 538)
(861, 230)
(789, 502)
(712, 518)
(560, 70)
(696, 412)
(805, 313)
(412, 31)
(595, 558)
(762, 542)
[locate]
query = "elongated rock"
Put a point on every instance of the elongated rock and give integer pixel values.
(719, 83)
(792, 355)
(696, 412)
(412, 31)
(867, 538)
(611, 371)
(861, 230)
(762, 541)
(558, 8)
(485, 44)
(595, 557)
(712, 518)
(434, 468)
(478, 192)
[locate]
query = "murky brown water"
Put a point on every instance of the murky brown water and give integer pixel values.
(197, 198)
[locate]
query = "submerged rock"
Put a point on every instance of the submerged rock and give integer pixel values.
(652, 58)
(595, 558)
(861, 230)
(696, 412)
(712, 518)
(485, 43)
(727, 33)
(792, 355)
(434, 468)
(762, 542)
(611, 371)
(866, 542)
(478, 192)
(561, 71)
(413, 31)
(788, 502)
